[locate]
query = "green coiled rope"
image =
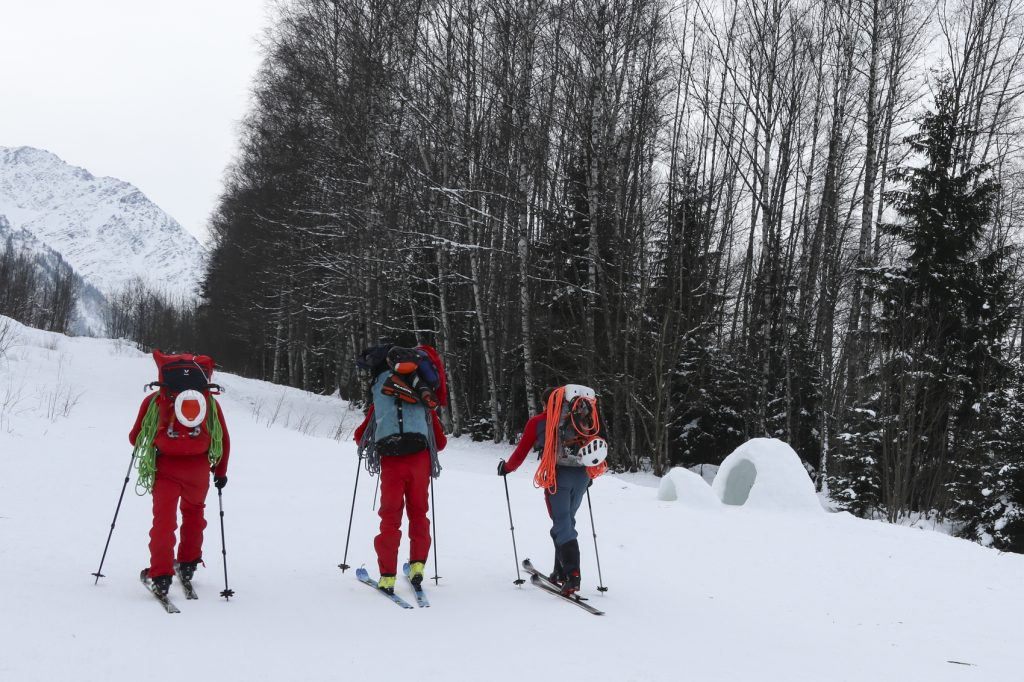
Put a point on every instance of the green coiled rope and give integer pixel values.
(145, 451)
(216, 433)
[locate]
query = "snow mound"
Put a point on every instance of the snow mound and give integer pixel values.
(765, 473)
(687, 487)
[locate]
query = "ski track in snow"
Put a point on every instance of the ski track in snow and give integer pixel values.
(695, 592)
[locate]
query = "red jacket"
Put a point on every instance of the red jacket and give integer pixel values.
(439, 437)
(183, 444)
(525, 443)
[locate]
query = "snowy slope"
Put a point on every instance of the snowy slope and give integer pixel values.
(698, 591)
(105, 228)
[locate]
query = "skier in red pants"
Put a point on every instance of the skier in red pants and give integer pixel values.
(404, 484)
(405, 436)
(181, 446)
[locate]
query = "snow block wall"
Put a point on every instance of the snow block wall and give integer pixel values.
(685, 486)
(765, 473)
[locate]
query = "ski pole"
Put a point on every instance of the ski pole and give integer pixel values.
(433, 523)
(600, 580)
(124, 487)
(375, 491)
(515, 553)
(227, 593)
(351, 512)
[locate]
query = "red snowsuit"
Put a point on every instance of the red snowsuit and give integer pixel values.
(404, 482)
(182, 473)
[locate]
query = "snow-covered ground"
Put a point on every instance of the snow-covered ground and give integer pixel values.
(697, 590)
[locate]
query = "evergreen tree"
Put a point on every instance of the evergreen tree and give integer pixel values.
(943, 317)
(988, 489)
(854, 482)
(712, 394)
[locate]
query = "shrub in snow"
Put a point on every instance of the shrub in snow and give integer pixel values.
(481, 430)
(685, 486)
(765, 473)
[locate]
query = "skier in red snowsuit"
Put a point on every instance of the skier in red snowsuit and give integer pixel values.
(404, 426)
(404, 483)
(182, 474)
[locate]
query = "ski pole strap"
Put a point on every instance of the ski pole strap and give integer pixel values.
(144, 453)
(216, 433)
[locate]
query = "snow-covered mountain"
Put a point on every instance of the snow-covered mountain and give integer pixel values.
(105, 228)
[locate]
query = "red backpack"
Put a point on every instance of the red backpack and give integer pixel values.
(185, 390)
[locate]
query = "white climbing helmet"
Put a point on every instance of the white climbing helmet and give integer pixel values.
(190, 408)
(593, 452)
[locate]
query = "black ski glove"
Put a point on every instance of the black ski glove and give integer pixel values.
(501, 468)
(220, 481)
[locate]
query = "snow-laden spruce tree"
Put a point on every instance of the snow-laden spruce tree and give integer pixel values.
(711, 398)
(937, 344)
(987, 491)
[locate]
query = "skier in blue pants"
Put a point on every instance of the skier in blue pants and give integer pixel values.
(572, 456)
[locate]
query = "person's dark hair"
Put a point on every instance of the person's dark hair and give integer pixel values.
(406, 340)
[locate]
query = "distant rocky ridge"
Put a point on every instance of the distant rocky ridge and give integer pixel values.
(105, 228)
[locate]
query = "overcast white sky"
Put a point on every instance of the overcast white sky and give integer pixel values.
(148, 91)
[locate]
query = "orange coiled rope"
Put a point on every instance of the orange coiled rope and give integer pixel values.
(546, 473)
(545, 476)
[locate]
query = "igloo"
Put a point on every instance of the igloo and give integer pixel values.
(765, 473)
(687, 487)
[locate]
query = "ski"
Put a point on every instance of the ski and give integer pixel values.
(530, 568)
(364, 577)
(190, 592)
(578, 601)
(541, 581)
(421, 596)
(162, 598)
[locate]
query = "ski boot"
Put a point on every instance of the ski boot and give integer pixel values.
(187, 569)
(386, 584)
(557, 576)
(571, 585)
(416, 573)
(161, 583)
(567, 565)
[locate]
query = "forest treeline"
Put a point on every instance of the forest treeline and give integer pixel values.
(35, 290)
(734, 219)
